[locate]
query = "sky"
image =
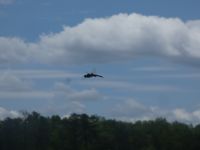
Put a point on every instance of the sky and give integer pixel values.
(147, 51)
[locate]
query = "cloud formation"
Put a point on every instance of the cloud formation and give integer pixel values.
(4, 113)
(132, 110)
(65, 92)
(117, 38)
(127, 86)
(38, 74)
(10, 82)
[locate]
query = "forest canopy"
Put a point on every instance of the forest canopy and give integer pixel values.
(84, 132)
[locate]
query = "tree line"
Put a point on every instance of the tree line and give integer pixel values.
(84, 132)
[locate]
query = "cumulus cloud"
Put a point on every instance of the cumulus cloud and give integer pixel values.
(12, 86)
(63, 91)
(182, 114)
(65, 108)
(117, 38)
(67, 100)
(14, 50)
(11, 82)
(21, 84)
(4, 113)
(132, 110)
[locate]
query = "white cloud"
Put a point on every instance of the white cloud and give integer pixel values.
(14, 50)
(127, 86)
(196, 114)
(153, 69)
(65, 109)
(4, 113)
(6, 2)
(116, 38)
(10, 82)
(67, 100)
(21, 84)
(63, 91)
(132, 110)
(189, 75)
(16, 84)
(39, 74)
(131, 106)
(182, 114)
(12, 86)
(29, 95)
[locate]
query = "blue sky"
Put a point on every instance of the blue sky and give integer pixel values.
(148, 52)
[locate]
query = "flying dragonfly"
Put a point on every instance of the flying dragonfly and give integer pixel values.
(90, 75)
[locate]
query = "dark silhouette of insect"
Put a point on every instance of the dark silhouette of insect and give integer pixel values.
(90, 75)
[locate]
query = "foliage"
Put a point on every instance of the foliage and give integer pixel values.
(83, 132)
